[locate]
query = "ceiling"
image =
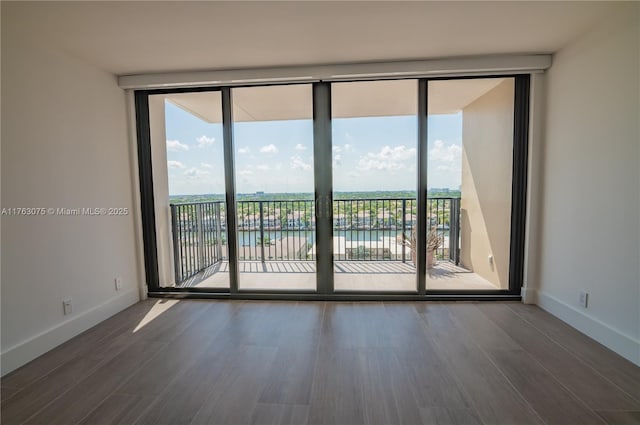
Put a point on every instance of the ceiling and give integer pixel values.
(359, 99)
(144, 37)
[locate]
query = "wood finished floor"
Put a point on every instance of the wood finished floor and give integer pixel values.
(235, 362)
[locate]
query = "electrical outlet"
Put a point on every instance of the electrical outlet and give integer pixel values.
(118, 281)
(584, 299)
(490, 259)
(67, 307)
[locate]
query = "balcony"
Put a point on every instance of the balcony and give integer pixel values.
(276, 245)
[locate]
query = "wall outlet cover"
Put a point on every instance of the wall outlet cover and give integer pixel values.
(584, 299)
(67, 307)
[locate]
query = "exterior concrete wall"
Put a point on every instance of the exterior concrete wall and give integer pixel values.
(161, 190)
(485, 203)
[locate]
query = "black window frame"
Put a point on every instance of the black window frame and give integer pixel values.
(519, 192)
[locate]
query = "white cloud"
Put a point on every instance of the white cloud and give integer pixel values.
(445, 153)
(176, 146)
(298, 163)
(387, 159)
(271, 149)
(204, 141)
(337, 160)
(300, 147)
(195, 173)
(344, 148)
(244, 150)
(205, 165)
(263, 167)
(245, 172)
(175, 164)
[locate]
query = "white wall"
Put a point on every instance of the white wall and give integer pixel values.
(590, 231)
(64, 144)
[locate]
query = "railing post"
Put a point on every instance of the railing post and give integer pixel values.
(454, 230)
(200, 230)
(177, 265)
(404, 228)
(218, 232)
(261, 231)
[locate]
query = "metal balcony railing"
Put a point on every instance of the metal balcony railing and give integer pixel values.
(284, 230)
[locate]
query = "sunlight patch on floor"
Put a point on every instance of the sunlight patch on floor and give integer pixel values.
(158, 308)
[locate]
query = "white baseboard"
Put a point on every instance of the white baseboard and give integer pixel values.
(625, 345)
(529, 296)
(22, 353)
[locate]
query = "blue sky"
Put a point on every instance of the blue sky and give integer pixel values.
(372, 153)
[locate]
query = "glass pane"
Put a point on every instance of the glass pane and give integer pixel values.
(188, 176)
(273, 137)
(374, 180)
(470, 128)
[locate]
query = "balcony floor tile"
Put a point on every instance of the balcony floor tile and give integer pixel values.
(349, 275)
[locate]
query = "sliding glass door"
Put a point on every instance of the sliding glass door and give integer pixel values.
(374, 162)
(275, 208)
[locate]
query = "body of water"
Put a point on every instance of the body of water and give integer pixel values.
(250, 238)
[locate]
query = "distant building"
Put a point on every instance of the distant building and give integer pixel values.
(271, 222)
(208, 223)
(340, 221)
(385, 220)
(295, 220)
(362, 220)
(410, 220)
(251, 222)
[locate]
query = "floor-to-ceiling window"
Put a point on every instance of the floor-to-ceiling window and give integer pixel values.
(470, 163)
(275, 208)
(189, 189)
(374, 144)
(380, 188)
